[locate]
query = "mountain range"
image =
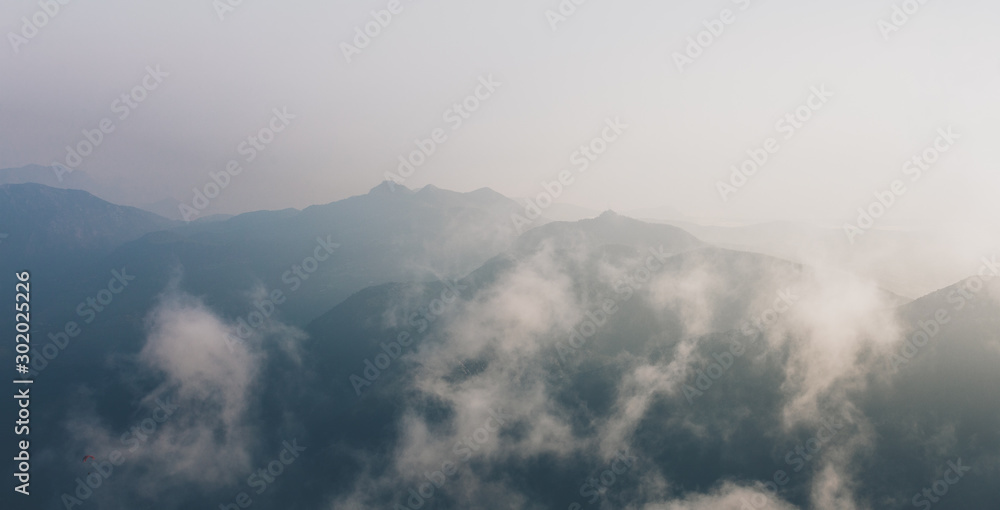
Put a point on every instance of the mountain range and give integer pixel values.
(426, 354)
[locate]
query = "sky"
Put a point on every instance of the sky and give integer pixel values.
(225, 71)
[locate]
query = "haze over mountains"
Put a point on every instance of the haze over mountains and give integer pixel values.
(43, 224)
(908, 258)
(512, 255)
(62, 177)
(421, 350)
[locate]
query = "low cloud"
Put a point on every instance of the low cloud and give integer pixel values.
(728, 496)
(209, 389)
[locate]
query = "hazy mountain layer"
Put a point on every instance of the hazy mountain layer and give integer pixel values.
(605, 363)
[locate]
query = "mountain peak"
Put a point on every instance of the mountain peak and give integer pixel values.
(388, 187)
(487, 194)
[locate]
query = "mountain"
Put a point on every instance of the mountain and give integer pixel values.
(315, 257)
(911, 262)
(560, 211)
(49, 176)
(444, 361)
(49, 226)
(60, 177)
(566, 314)
(295, 264)
(320, 255)
(929, 398)
(609, 228)
(166, 208)
(657, 213)
(718, 371)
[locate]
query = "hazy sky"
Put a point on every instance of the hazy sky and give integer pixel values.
(608, 59)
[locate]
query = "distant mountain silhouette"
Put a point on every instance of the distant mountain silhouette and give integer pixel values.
(491, 316)
(76, 179)
(62, 226)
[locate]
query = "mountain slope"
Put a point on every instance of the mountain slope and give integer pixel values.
(717, 370)
(320, 255)
(62, 226)
(529, 364)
